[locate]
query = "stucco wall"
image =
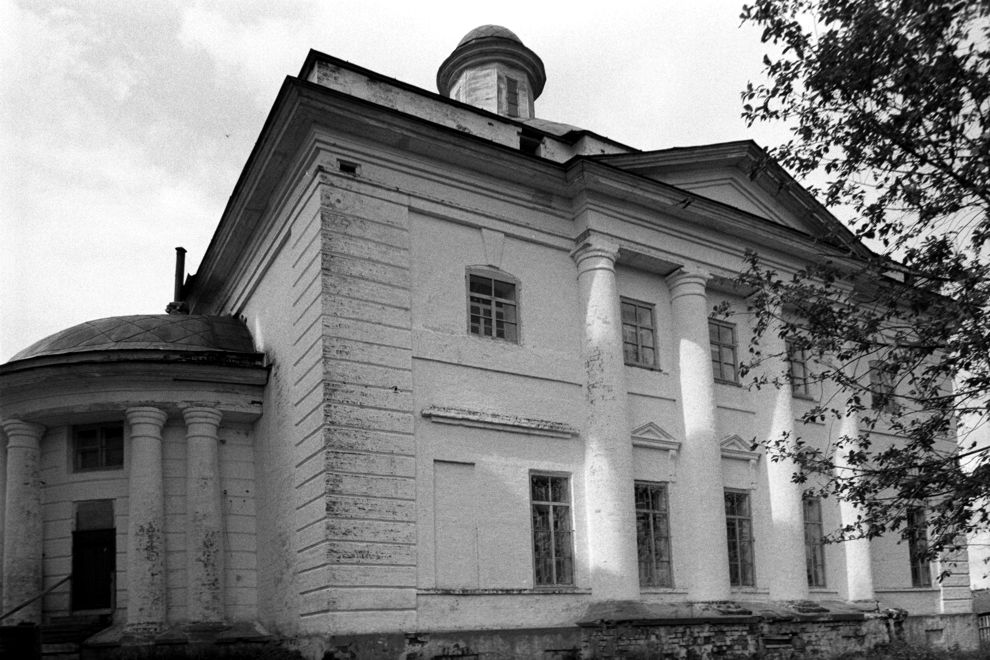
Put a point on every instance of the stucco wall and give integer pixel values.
(63, 488)
(282, 308)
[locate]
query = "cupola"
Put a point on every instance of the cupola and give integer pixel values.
(493, 70)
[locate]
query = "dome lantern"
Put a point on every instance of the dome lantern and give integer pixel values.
(493, 70)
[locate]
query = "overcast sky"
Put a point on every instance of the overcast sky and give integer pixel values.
(124, 125)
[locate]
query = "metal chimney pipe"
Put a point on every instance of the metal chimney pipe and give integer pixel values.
(180, 272)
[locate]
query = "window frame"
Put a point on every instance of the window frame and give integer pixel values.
(101, 448)
(500, 276)
(735, 539)
(651, 309)
(800, 384)
(660, 573)
(916, 531)
(512, 97)
(567, 561)
(883, 390)
(717, 342)
(814, 542)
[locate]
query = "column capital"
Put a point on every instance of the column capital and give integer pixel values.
(201, 414)
(22, 434)
(688, 280)
(594, 251)
(146, 415)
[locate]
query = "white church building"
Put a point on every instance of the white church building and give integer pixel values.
(448, 379)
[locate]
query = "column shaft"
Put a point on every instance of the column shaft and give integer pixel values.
(204, 516)
(789, 580)
(859, 562)
(22, 547)
(146, 590)
(608, 484)
(700, 458)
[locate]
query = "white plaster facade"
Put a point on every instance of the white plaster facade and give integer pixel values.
(373, 473)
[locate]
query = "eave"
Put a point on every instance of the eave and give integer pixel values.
(752, 161)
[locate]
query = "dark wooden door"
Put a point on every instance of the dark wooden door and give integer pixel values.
(94, 566)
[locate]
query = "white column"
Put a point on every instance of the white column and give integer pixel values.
(22, 547)
(859, 563)
(609, 501)
(146, 595)
(789, 578)
(204, 516)
(699, 462)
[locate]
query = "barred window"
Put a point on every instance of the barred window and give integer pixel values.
(797, 360)
(739, 526)
(98, 447)
(814, 542)
(553, 556)
(639, 346)
(492, 307)
(653, 535)
(723, 345)
(917, 536)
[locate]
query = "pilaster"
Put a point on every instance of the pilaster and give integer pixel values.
(608, 448)
(146, 595)
(700, 458)
(22, 548)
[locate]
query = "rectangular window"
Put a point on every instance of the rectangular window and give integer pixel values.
(511, 97)
(492, 308)
(814, 542)
(739, 526)
(553, 558)
(917, 535)
(639, 346)
(98, 447)
(653, 535)
(723, 343)
(881, 389)
(797, 360)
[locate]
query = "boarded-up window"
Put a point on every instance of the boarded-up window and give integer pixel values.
(455, 525)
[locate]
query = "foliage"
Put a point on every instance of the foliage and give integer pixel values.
(889, 104)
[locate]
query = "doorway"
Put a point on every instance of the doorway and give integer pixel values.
(94, 557)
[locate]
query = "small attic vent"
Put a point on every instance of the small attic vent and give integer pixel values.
(529, 143)
(347, 167)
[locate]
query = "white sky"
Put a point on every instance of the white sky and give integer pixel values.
(124, 124)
